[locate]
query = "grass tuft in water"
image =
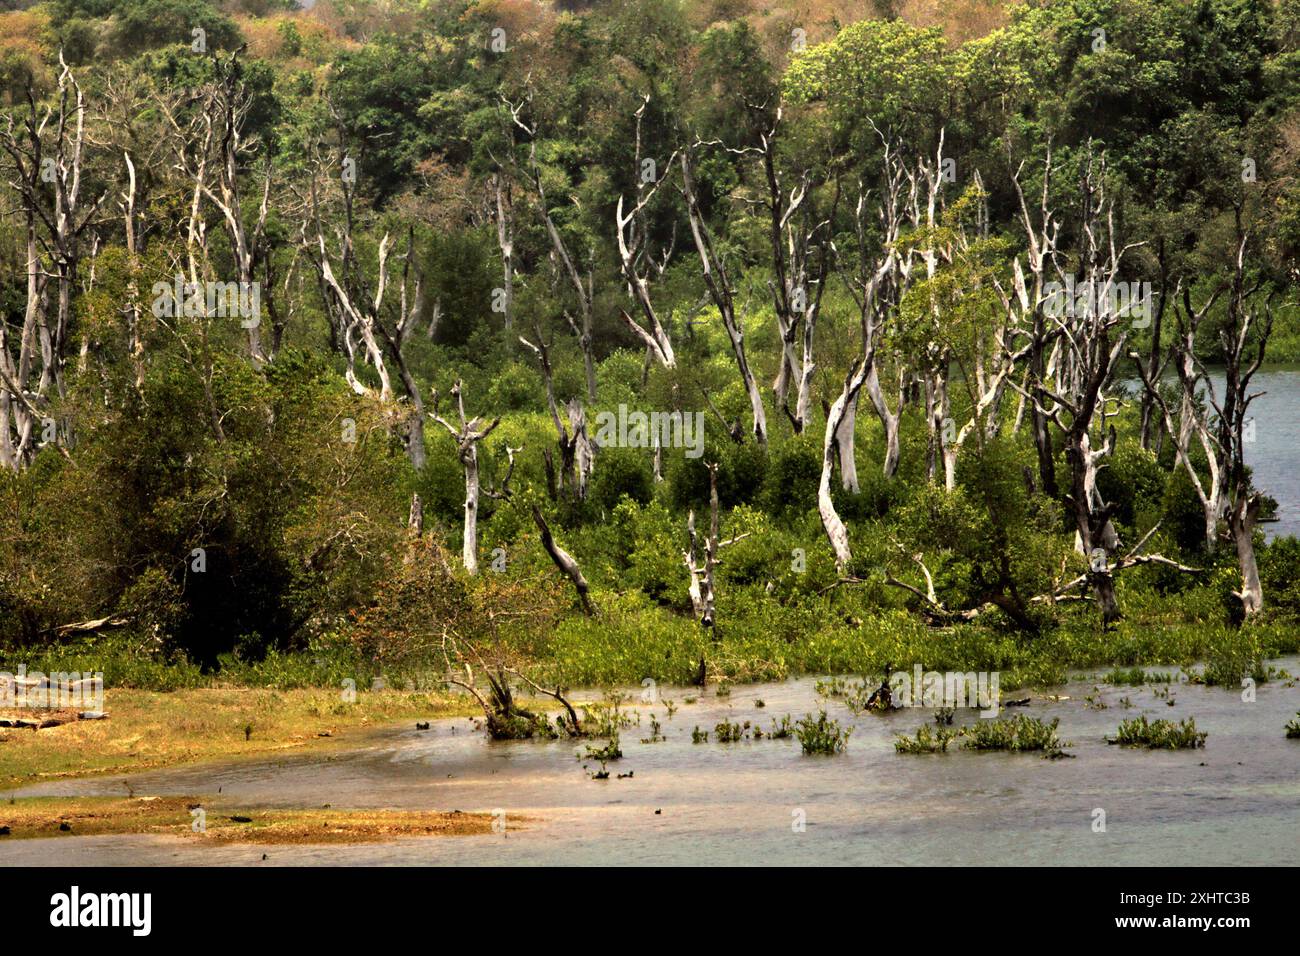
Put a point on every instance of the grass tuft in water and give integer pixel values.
(611, 750)
(1159, 734)
(1015, 734)
(821, 735)
(728, 733)
(927, 740)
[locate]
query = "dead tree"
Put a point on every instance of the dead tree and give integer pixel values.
(993, 355)
(577, 458)
(632, 238)
(880, 273)
(505, 241)
(467, 433)
(1211, 492)
(1221, 428)
(832, 524)
(1041, 255)
(797, 286)
(702, 586)
(1092, 337)
(132, 130)
(352, 325)
(32, 369)
(363, 317)
(718, 283)
(582, 327)
(924, 210)
(1157, 359)
(227, 102)
(564, 561)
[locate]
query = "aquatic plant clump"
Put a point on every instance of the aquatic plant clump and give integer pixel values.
(611, 751)
(1293, 727)
(1016, 734)
(928, 740)
(782, 729)
(1159, 734)
(728, 733)
(1136, 677)
(821, 735)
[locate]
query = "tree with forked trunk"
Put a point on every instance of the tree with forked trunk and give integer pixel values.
(467, 433)
(1220, 422)
(633, 236)
(718, 282)
(1091, 338)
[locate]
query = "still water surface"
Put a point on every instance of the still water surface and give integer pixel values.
(1235, 802)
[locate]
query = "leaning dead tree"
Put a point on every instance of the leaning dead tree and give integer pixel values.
(718, 282)
(45, 152)
(467, 433)
(633, 236)
(836, 416)
(564, 561)
(876, 282)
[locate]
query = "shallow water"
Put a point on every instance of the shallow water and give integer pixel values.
(1235, 802)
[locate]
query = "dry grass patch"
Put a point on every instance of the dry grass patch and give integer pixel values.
(146, 730)
(52, 817)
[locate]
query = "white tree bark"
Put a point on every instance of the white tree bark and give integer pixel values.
(467, 433)
(719, 286)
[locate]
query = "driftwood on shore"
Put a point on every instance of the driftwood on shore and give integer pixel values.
(52, 720)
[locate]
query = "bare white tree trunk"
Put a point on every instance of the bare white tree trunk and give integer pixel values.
(702, 585)
(719, 286)
(506, 242)
(836, 532)
(844, 444)
(467, 433)
(1241, 521)
(633, 232)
